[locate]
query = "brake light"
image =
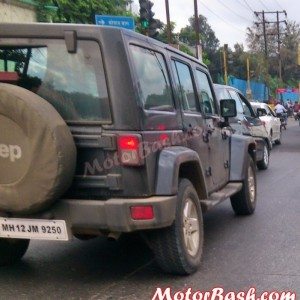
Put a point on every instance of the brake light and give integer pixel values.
(163, 137)
(128, 142)
(264, 123)
(142, 212)
(129, 150)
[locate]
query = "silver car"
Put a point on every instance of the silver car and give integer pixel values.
(247, 123)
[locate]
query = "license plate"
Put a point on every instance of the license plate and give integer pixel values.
(33, 229)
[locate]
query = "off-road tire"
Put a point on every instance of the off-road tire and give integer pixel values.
(12, 250)
(278, 141)
(264, 163)
(168, 244)
(244, 202)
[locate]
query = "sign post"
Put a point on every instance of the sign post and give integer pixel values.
(115, 21)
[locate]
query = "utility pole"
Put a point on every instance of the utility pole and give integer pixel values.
(169, 34)
(197, 30)
(278, 33)
(278, 47)
(248, 91)
(265, 34)
(225, 48)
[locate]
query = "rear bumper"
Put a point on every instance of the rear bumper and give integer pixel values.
(112, 215)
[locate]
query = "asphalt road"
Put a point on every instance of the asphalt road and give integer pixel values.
(261, 251)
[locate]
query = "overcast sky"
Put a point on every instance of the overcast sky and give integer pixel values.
(228, 18)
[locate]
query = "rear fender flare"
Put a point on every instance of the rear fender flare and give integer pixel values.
(170, 162)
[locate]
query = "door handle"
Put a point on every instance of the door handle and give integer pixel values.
(207, 132)
(191, 131)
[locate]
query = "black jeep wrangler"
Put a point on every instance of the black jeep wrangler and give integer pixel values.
(105, 131)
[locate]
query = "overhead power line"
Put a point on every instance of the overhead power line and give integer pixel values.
(245, 6)
(225, 21)
(240, 16)
(278, 33)
(279, 4)
(263, 4)
(245, 1)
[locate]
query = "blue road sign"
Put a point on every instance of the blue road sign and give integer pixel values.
(117, 21)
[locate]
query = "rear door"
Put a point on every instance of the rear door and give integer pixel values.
(193, 120)
(216, 137)
(75, 84)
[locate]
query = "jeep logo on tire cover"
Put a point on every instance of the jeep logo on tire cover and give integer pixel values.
(12, 152)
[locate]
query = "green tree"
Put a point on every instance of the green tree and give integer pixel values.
(209, 42)
(290, 69)
(79, 11)
(268, 69)
(163, 34)
(208, 38)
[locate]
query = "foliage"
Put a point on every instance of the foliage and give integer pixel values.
(163, 34)
(79, 11)
(268, 69)
(209, 42)
(186, 49)
(83, 11)
(208, 38)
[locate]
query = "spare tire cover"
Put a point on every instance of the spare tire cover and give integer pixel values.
(37, 152)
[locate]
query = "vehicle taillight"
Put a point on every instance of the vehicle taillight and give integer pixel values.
(142, 212)
(264, 123)
(129, 150)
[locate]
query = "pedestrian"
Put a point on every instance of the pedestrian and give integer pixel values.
(297, 111)
(289, 107)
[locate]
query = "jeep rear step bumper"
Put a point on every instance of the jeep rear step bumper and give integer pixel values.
(112, 215)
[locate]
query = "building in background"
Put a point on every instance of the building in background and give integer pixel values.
(285, 94)
(17, 11)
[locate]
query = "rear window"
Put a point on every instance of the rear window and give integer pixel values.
(73, 83)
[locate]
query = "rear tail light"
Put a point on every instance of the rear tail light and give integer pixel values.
(130, 150)
(142, 212)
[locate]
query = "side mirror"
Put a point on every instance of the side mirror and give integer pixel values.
(228, 108)
(261, 112)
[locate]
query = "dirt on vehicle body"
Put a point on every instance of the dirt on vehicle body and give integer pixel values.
(105, 131)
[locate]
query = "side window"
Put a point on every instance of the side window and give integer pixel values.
(185, 83)
(239, 106)
(154, 84)
(207, 103)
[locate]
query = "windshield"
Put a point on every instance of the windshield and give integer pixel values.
(73, 83)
